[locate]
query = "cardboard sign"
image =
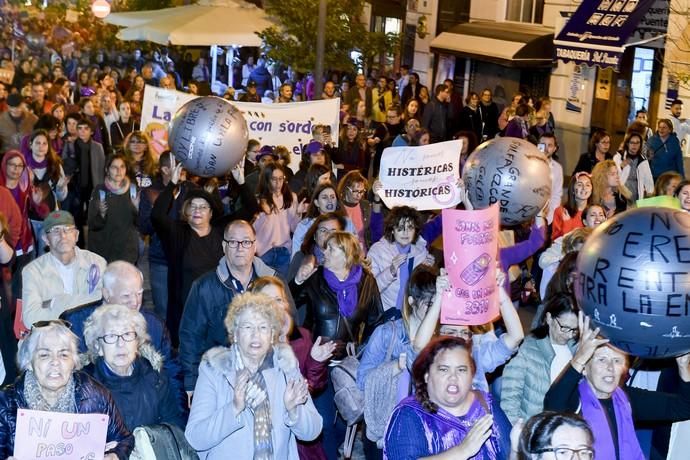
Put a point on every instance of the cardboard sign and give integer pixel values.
(423, 177)
(57, 435)
(470, 248)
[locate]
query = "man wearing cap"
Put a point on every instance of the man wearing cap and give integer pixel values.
(15, 123)
(63, 278)
(251, 95)
(265, 155)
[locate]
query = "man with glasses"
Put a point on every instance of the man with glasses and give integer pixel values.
(202, 327)
(63, 278)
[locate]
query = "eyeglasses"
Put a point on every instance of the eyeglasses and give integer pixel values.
(566, 453)
(325, 231)
(358, 191)
(565, 329)
(246, 244)
(60, 230)
(460, 333)
(263, 329)
(199, 207)
(16, 165)
(111, 339)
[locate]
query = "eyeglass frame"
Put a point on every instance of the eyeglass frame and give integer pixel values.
(565, 329)
(234, 244)
(118, 337)
(61, 230)
(572, 452)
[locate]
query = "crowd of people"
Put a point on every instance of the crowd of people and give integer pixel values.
(264, 283)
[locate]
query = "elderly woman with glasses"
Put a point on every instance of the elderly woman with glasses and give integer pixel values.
(124, 361)
(51, 381)
(556, 436)
(245, 404)
(591, 385)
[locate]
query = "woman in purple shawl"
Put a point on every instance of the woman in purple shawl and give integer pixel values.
(446, 418)
(590, 385)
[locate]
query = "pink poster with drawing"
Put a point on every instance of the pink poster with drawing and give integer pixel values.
(470, 249)
(58, 435)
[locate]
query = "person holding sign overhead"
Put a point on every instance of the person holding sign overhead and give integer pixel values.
(488, 351)
(51, 382)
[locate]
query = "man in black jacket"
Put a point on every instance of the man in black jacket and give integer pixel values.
(202, 326)
(435, 117)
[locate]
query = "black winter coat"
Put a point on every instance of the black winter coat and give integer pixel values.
(144, 398)
(323, 316)
(91, 398)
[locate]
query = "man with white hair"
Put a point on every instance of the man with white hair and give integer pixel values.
(123, 284)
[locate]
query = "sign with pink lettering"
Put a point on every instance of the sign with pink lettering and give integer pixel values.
(57, 435)
(470, 248)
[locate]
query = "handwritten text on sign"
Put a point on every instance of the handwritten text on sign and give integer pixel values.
(59, 435)
(423, 177)
(470, 247)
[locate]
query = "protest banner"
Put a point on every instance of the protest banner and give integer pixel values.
(59, 435)
(271, 124)
(6, 75)
(157, 109)
(470, 248)
(290, 124)
(423, 177)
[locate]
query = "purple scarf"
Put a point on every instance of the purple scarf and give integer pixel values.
(595, 415)
(345, 290)
(442, 430)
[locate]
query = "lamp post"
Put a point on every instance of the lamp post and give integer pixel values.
(320, 46)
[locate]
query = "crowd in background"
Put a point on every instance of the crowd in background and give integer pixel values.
(262, 281)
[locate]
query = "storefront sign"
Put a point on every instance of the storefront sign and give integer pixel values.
(575, 90)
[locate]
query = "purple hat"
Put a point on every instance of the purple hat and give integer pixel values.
(266, 150)
(314, 147)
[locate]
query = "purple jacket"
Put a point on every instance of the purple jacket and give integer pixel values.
(413, 432)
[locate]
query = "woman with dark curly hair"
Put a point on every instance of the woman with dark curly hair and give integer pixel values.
(446, 416)
(395, 255)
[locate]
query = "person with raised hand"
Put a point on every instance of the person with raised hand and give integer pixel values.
(591, 385)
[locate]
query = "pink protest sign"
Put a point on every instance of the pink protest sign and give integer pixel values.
(57, 435)
(470, 247)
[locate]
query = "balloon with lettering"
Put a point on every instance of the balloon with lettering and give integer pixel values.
(634, 281)
(208, 135)
(511, 172)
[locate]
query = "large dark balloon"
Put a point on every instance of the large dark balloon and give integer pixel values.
(634, 281)
(208, 135)
(511, 172)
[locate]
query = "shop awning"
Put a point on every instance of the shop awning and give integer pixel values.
(505, 43)
(599, 31)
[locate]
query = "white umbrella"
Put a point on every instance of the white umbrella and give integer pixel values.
(207, 23)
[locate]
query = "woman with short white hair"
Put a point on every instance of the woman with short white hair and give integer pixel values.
(124, 361)
(51, 381)
(246, 404)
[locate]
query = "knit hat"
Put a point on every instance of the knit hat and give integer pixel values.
(266, 150)
(314, 147)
